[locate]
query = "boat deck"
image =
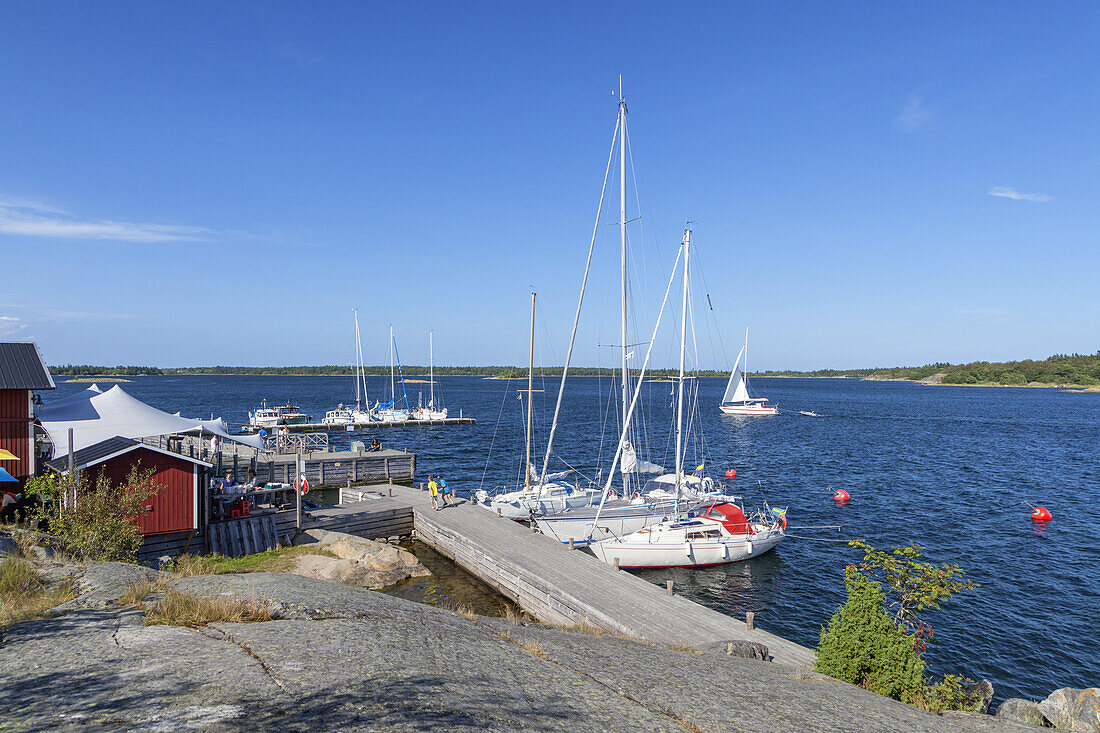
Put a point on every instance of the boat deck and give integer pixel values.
(316, 427)
(571, 587)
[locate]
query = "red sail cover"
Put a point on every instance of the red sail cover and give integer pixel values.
(731, 517)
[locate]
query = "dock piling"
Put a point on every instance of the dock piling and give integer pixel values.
(570, 543)
(616, 565)
(749, 618)
(668, 587)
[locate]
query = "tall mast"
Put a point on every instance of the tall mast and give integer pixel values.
(393, 384)
(680, 391)
(358, 359)
(746, 357)
(622, 253)
(530, 389)
(431, 374)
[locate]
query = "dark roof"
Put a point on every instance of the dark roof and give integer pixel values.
(104, 449)
(21, 367)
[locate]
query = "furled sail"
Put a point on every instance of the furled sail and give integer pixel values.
(630, 463)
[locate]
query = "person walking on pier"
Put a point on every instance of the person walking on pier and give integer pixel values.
(445, 492)
(433, 493)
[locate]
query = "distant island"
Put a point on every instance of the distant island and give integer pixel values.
(1069, 370)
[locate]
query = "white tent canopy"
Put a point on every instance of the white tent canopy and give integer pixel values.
(95, 416)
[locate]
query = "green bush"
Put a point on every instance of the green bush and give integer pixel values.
(95, 520)
(864, 646)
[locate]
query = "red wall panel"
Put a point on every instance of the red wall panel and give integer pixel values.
(172, 508)
(14, 427)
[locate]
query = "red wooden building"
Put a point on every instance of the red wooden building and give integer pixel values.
(22, 372)
(175, 505)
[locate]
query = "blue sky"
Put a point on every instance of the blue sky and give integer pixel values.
(870, 183)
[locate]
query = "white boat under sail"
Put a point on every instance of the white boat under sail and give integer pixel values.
(737, 400)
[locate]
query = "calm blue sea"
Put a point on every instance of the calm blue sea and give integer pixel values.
(948, 468)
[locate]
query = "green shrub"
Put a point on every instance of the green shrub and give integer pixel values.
(864, 646)
(96, 520)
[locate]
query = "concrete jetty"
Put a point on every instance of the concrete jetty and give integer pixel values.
(572, 588)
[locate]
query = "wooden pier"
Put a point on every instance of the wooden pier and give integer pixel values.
(373, 519)
(316, 427)
(571, 587)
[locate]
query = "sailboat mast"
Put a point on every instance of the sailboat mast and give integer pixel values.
(622, 253)
(393, 384)
(358, 359)
(746, 357)
(530, 389)
(431, 374)
(680, 390)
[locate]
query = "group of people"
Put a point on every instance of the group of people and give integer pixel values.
(228, 486)
(439, 494)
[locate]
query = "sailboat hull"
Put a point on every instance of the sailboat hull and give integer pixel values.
(749, 409)
(638, 555)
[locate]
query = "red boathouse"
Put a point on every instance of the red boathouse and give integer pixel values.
(22, 372)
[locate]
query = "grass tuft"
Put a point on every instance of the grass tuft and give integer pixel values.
(24, 595)
(179, 609)
(270, 561)
(462, 609)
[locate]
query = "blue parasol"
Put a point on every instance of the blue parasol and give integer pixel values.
(5, 476)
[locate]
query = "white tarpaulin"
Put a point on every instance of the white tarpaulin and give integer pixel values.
(95, 415)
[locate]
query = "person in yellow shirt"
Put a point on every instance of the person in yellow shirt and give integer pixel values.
(433, 493)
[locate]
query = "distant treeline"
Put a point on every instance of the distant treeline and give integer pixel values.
(507, 372)
(1058, 369)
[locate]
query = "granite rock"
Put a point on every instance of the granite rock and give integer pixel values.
(982, 691)
(1073, 709)
(1021, 711)
(345, 658)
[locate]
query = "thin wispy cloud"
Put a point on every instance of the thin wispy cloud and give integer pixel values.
(916, 114)
(10, 325)
(27, 218)
(1010, 193)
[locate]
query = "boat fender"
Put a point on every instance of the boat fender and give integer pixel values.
(748, 547)
(841, 495)
(1040, 514)
(687, 548)
(303, 484)
(725, 551)
(731, 473)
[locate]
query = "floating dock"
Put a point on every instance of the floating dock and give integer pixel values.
(571, 587)
(316, 427)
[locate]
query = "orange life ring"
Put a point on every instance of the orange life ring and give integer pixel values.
(783, 521)
(303, 485)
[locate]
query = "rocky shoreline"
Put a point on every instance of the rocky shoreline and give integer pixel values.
(337, 655)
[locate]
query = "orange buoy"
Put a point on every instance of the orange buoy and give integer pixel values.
(841, 495)
(731, 473)
(1040, 514)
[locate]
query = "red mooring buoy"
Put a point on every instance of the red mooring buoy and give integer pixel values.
(841, 495)
(1040, 514)
(731, 473)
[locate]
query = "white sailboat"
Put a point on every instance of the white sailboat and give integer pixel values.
(539, 495)
(712, 535)
(389, 411)
(429, 413)
(638, 506)
(737, 400)
(345, 415)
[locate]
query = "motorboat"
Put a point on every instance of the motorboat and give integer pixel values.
(713, 535)
(808, 413)
(274, 417)
(340, 417)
